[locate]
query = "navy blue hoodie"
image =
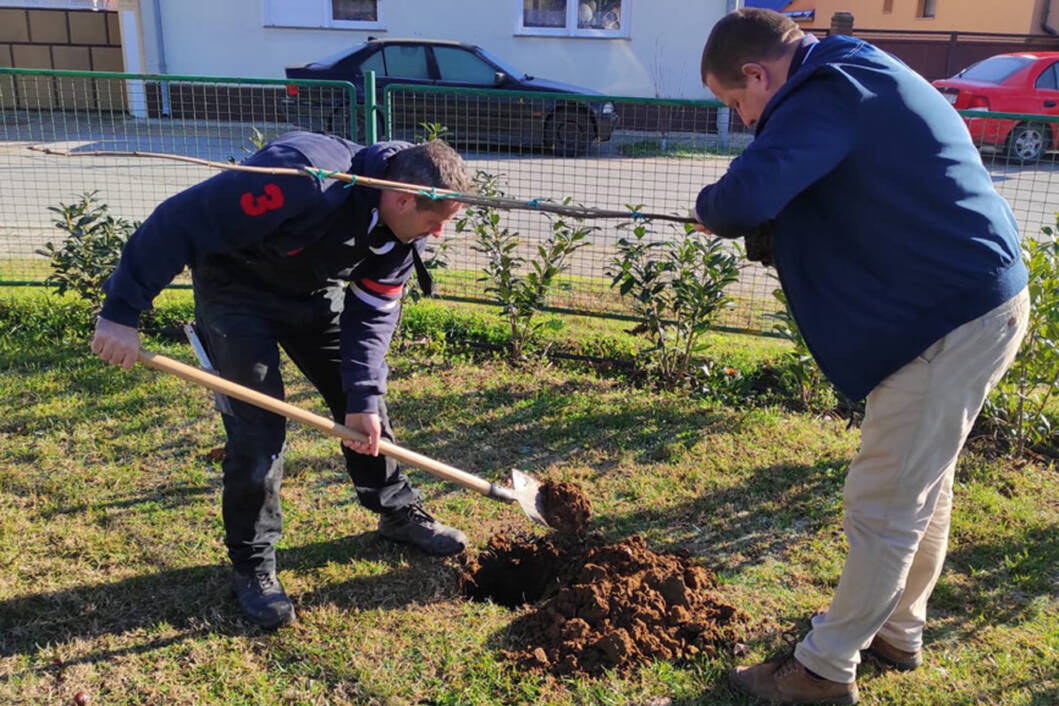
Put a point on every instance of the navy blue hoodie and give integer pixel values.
(887, 231)
(248, 234)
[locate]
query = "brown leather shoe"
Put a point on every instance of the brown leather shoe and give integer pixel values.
(898, 659)
(788, 682)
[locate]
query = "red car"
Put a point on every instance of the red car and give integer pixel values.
(1024, 82)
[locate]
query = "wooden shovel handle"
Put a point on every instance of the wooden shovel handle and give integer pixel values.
(239, 392)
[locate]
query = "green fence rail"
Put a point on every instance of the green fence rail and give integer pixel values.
(216, 118)
(602, 151)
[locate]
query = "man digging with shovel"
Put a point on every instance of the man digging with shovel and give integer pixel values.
(902, 266)
(314, 267)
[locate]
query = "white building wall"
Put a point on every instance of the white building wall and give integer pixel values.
(660, 57)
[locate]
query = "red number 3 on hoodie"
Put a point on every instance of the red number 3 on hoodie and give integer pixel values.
(258, 205)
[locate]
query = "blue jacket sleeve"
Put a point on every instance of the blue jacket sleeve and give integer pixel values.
(228, 211)
(806, 137)
(372, 307)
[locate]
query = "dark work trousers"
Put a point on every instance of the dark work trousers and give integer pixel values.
(243, 336)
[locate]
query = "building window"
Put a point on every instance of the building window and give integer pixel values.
(888, 7)
(573, 18)
(323, 14)
(355, 10)
(926, 8)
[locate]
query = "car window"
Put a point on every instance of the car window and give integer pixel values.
(374, 63)
(504, 66)
(460, 65)
(1047, 79)
(994, 69)
(406, 61)
(332, 59)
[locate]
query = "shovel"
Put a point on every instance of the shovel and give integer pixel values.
(524, 489)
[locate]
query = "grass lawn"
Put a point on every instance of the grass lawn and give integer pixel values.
(113, 576)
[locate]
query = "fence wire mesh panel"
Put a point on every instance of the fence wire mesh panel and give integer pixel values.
(603, 152)
(1019, 151)
(219, 119)
(608, 152)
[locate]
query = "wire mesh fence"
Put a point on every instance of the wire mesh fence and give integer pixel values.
(222, 119)
(610, 152)
(602, 152)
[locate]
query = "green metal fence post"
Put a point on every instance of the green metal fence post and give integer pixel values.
(370, 105)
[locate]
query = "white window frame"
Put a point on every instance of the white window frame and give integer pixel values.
(109, 5)
(318, 14)
(571, 29)
(354, 24)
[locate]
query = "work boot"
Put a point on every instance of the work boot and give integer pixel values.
(412, 525)
(898, 659)
(788, 682)
(261, 596)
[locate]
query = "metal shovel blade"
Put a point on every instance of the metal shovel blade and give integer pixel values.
(527, 492)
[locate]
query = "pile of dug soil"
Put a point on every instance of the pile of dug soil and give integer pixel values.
(565, 507)
(599, 606)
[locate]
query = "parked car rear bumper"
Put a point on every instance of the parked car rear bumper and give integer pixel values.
(989, 131)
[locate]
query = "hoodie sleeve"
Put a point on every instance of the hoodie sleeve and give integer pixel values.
(228, 211)
(806, 137)
(373, 303)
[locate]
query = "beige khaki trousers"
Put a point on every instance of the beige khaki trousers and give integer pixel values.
(898, 492)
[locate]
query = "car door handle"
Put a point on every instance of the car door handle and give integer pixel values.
(1049, 104)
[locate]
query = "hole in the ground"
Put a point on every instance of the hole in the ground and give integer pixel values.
(513, 572)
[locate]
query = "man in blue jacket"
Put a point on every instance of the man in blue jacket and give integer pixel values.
(316, 268)
(902, 267)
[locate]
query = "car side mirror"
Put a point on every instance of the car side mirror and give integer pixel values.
(499, 77)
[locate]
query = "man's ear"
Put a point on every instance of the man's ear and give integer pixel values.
(753, 71)
(403, 201)
(395, 200)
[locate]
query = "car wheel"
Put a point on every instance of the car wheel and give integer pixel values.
(338, 122)
(362, 129)
(571, 134)
(1026, 143)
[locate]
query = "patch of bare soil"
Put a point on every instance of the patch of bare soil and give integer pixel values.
(599, 606)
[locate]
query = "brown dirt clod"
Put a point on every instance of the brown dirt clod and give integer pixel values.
(599, 607)
(565, 507)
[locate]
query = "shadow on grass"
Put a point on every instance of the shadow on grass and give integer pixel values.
(164, 498)
(546, 423)
(197, 600)
(771, 510)
(1000, 578)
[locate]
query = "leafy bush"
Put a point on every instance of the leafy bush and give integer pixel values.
(814, 391)
(676, 287)
(433, 131)
(34, 319)
(1018, 410)
(90, 249)
(520, 286)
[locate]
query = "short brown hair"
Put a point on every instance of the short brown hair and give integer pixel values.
(431, 163)
(747, 35)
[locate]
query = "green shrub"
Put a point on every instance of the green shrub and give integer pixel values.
(520, 286)
(90, 249)
(36, 318)
(676, 286)
(1019, 408)
(800, 370)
